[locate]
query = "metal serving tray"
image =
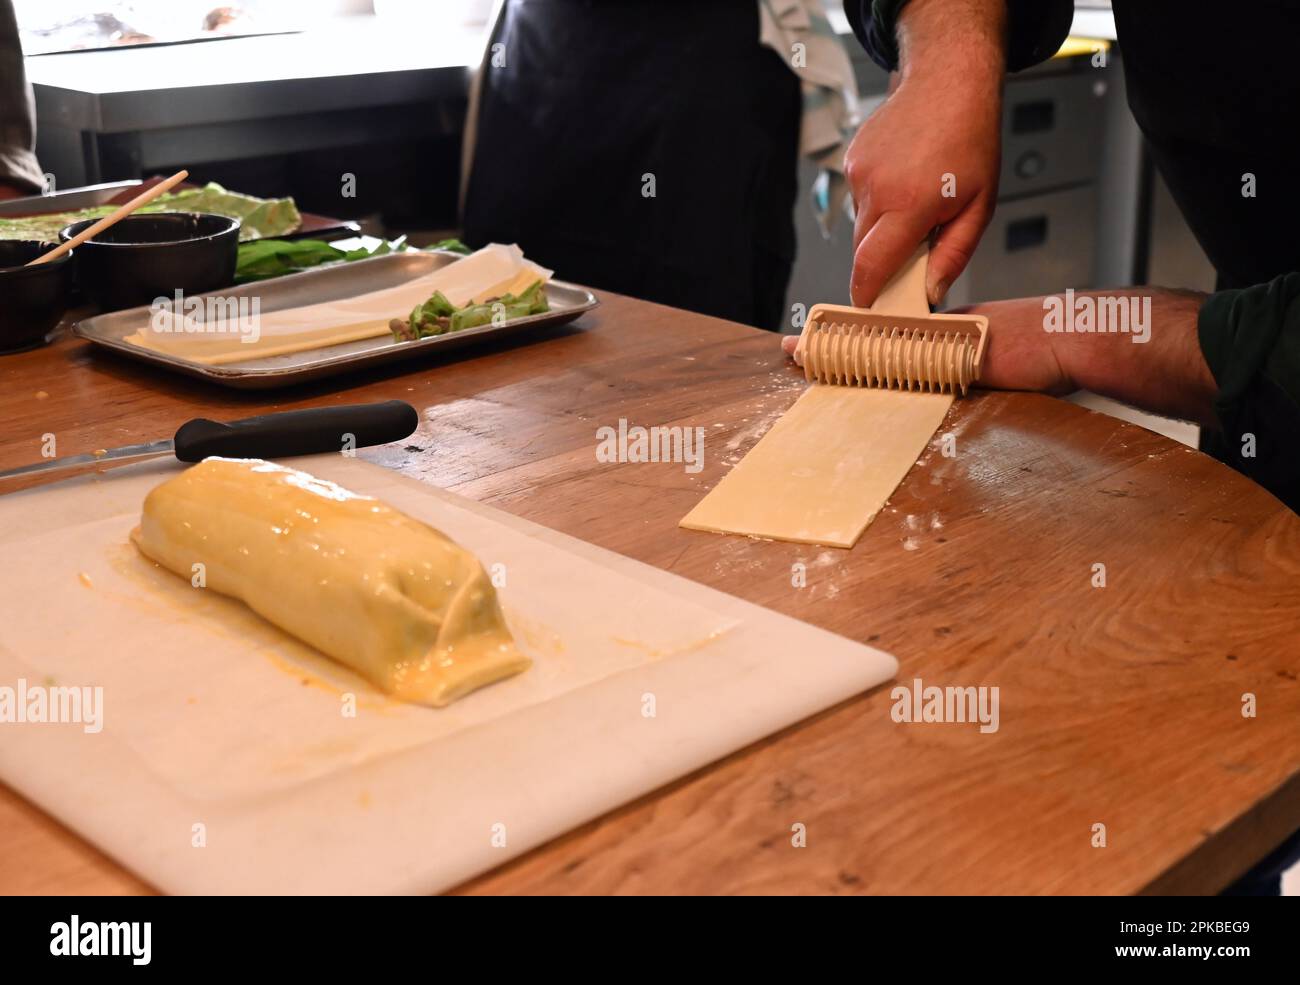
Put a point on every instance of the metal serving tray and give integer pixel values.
(330, 284)
(68, 200)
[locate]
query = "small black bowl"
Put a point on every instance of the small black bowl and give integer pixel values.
(144, 257)
(32, 299)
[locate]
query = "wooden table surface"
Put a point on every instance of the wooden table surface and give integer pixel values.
(1120, 706)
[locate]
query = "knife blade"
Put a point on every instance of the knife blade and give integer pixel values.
(313, 431)
(153, 449)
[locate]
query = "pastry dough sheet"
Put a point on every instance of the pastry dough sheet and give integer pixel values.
(826, 468)
(492, 271)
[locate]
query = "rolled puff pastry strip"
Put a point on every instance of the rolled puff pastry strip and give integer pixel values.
(390, 597)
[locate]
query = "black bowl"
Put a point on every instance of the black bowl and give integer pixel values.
(32, 299)
(144, 257)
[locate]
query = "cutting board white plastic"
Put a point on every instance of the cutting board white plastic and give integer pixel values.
(226, 762)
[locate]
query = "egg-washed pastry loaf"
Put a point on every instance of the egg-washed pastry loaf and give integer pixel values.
(386, 595)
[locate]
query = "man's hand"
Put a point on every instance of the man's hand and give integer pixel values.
(1165, 375)
(930, 155)
(1021, 354)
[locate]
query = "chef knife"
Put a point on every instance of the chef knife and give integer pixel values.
(313, 431)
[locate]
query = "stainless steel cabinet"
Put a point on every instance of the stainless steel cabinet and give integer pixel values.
(1051, 131)
(1039, 244)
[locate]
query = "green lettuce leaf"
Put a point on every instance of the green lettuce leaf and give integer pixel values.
(259, 217)
(265, 258)
(438, 316)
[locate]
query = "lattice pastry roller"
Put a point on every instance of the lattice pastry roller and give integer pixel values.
(896, 343)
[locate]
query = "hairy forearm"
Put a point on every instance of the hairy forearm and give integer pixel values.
(1165, 374)
(1139, 345)
(965, 40)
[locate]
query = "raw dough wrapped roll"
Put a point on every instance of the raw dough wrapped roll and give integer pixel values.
(388, 596)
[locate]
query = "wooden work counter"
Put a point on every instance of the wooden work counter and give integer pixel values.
(1119, 705)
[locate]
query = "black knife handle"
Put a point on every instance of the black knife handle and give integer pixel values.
(314, 431)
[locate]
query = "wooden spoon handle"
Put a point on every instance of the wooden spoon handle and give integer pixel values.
(144, 198)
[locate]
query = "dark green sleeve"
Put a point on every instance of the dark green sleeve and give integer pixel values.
(1251, 340)
(1036, 29)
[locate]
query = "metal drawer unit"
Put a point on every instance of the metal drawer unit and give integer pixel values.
(1041, 244)
(1052, 131)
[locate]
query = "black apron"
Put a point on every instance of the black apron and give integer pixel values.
(1215, 93)
(599, 103)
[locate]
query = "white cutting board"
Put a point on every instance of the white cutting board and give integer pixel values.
(226, 763)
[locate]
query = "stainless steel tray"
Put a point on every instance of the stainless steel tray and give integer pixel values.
(67, 200)
(330, 284)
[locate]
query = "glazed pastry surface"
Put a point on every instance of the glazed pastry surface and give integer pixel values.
(386, 595)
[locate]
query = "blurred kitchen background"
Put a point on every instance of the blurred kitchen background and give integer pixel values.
(281, 97)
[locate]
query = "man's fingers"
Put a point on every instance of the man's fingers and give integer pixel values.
(952, 250)
(863, 219)
(788, 344)
(883, 251)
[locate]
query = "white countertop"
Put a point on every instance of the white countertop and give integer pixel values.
(350, 47)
